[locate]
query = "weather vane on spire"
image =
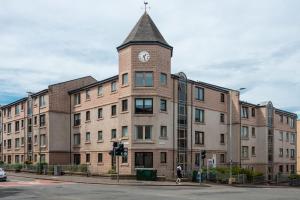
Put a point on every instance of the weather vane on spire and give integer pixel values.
(146, 6)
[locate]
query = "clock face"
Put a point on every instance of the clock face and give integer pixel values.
(144, 56)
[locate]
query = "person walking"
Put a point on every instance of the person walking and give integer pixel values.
(179, 174)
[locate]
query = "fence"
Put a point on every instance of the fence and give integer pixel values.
(46, 169)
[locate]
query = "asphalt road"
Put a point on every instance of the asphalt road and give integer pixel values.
(23, 188)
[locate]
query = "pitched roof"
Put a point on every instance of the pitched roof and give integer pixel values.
(145, 32)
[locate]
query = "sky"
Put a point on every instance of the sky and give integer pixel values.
(231, 43)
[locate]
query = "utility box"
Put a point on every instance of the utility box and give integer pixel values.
(146, 174)
(57, 170)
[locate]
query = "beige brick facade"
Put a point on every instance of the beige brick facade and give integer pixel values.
(84, 117)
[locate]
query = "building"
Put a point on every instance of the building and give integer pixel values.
(298, 145)
(1, 151)
(268, 139)
(163, 119)
(36, 128)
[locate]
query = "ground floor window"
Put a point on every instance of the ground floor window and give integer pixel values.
(43, 158)
(144, 160)
(163, 157)
(100, 157)
(76, 159)
(125, 159)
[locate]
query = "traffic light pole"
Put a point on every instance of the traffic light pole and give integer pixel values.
(200, 170)
(117, 157)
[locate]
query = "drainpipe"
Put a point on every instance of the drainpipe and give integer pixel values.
(192, 98)
(70, 137)
(174, 125)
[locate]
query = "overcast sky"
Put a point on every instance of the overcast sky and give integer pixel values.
(232, 43)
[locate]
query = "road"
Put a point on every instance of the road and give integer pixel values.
(23, 188)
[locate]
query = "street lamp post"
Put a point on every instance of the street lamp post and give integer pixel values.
(230, 134)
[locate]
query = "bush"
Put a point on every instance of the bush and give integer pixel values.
(1, 162)
(28, 162)
(112, 171)
(294, 176)
(18, 167)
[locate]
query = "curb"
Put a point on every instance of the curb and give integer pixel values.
(101, 183)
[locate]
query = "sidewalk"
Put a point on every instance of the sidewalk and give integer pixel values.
(101, 180)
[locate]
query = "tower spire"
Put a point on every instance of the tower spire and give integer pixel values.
(145, 3)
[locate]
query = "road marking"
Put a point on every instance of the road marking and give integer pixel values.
(31, 183)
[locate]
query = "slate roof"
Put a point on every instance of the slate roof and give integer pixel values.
(145, 32)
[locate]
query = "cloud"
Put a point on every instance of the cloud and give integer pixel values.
(253, 44)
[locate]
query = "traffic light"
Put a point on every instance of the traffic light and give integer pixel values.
(203, 154)
(120, 149)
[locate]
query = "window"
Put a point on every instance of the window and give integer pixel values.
(199, 115)
(163, 79)
(125, 159)
(287, 153)
(87, 137)
(17, 158)
(253, 132)
(22, 141)
(163, 132)
(125, 79)
(293, 169)
(222, 118)
(245, 153)
(163, 157)
(113, 133)
(4, 127)
(281, 118)
(17, 109)
(43, 120)
(287, 136)
(199, 137)
(113, 86)
(100, 116)
(77, 99)
(222, 158)
(9, 127)
(124, 131)
(293, 138)
(222, 97)
(100, 90)
(43, 140)
(43, 158)
(17, 143)
(42, 101)
(17, 126)
(292, 153)
(35, 120)
(253, 112)
(77, 119)
(124, 105)
(143, 132)
(287, 120)
(22, 123)
(143, 106)
(35, 139)
(199, 93)
(253, 151)
(281, 136)
(292, 123)
(163, 105)
(280, 152)
(244, 112)
(77, 139)
(87, 116)
(9, 143)
(144, 79)
(245, 132)
(8, 112)
(87, 158)
(281, 168)
(100, 157)
(87, 94)
(143, 159)
(113, 110)
(100, 135)
(287, 168)
(222, 138)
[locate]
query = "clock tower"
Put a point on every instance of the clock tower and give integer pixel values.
(145, 68)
